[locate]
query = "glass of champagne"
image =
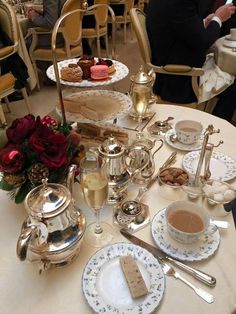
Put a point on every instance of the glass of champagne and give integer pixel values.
(94, 184)
(141, 96)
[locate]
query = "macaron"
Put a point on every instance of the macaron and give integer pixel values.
(99, 72)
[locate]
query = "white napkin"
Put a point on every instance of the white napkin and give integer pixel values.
(214, 81)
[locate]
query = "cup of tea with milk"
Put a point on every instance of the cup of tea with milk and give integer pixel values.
(188, 131)
(187, 222)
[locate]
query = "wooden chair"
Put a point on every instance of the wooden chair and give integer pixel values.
(125, 18)
(8, 23)
(138, 21)
(100, 11)
(71, 31)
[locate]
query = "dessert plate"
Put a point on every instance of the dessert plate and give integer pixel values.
(222, 167)
(95, 105)
(181, 146)
(197, 251)
(105, 287)
(121, 72)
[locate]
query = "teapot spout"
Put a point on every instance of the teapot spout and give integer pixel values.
(70, 179)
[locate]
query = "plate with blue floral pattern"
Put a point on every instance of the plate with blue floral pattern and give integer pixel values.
(181, 146)
(222, 167)
(105, 287)
(197, 251)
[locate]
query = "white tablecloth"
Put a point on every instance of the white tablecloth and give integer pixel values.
(58, 291)
(225, 57)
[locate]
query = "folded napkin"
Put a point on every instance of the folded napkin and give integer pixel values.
(214, 81)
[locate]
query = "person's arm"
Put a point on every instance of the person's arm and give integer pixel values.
(49, 16)
(189, 27)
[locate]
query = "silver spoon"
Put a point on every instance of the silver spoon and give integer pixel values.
(173, 138)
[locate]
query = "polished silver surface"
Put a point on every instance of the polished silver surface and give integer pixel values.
(169, 271)
(52, 233)
(197, 274)
(114, 153)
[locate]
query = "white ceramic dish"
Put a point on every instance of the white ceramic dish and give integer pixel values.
(222, 167)
(181, 146)
(228, 37)
(105, 287)
(102, 95)
(121, 72)
(228, 42)
(197, 251)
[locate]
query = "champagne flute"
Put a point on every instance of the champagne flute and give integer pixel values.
(141, 96)
(94, 184)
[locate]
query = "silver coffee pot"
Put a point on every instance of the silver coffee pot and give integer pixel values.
(52, 233)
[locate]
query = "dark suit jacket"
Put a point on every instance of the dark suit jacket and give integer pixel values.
(177, 36)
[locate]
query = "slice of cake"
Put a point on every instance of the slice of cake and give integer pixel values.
(133, 277)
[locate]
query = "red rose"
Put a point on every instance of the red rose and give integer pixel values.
(11, 159)
(21, 129)
(50, 147)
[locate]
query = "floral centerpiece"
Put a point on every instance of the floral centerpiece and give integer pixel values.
(36, 149)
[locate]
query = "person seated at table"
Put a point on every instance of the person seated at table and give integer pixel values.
(46, 19)
(210, 6)
(178, 35)
(15, 65)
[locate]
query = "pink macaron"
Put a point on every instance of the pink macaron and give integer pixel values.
(99, 72)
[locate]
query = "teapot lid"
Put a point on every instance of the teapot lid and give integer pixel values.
(141, 77)
(112, 146)
(47, 200)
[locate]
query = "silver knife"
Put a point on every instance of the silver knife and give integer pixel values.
(200, 275)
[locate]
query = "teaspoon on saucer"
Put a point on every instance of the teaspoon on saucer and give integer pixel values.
(173, 138)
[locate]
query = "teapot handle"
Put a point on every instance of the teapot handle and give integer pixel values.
(23, 241)
(162, 143)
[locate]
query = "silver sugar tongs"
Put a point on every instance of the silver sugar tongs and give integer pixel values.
(206, 153)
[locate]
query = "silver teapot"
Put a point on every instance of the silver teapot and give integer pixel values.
(53, 231)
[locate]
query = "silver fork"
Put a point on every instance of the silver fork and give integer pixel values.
(169, 271)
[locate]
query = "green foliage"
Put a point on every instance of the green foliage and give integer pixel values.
(22, 192)
(6, 186)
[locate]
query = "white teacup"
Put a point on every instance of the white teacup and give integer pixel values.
(188, 131)
(233, 33)
(187, 222)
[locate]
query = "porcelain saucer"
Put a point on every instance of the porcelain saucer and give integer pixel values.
(228, 42)
(197, 251)
(181, 146)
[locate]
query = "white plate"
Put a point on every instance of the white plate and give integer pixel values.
(228, 37)
(121, 72)
(229, 44)
(124, 101)
(197, 251)
(222, 167)
(105, 287)
(181, 146)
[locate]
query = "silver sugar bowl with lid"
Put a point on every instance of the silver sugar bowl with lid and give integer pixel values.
(52, 233)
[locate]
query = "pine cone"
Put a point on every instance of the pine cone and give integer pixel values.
(37, 173)
(14, 179)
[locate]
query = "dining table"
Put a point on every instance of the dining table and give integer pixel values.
(59, 290)
(225, 54)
